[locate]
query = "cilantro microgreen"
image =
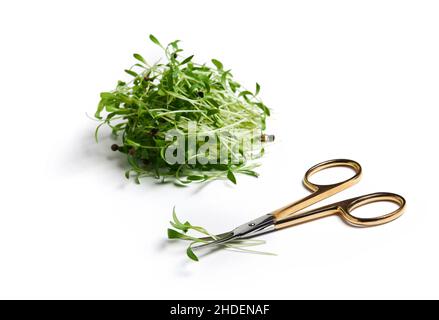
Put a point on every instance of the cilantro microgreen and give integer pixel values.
(168, 95)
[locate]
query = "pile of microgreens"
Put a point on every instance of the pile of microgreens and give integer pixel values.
(169, 95)
(206, 237)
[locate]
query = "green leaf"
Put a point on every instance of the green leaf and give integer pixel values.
(174, 217)
(101, 106)
(195, 178)
(234, 85)
(258, 88)
(250, 173)
(245, 93)
(191, 254)
(139, 57)
(264, 108)
(172, 234)
(224, 77)
(183, 227)
(231, 176)
(154, 39)
(111, 108)
(131, 73)
(186, 60)
(212, 112)
(174, 44)
(177, 223)
(217, 64)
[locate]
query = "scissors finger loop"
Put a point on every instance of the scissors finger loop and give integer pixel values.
(332, 164)
(350, 205)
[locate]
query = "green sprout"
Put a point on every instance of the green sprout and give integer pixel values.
(181, 230)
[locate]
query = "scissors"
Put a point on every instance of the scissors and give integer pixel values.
(293, 214)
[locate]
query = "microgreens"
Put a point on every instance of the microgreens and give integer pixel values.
(184, 228)
(165, 96)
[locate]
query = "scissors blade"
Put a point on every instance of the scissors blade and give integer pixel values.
(215, 237)
(228, 236)
(243, 231)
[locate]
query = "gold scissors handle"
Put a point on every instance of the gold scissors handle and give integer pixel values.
(290, 215)
(320, 192)
(344, 210)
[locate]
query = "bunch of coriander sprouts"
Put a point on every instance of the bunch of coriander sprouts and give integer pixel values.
(171, 95)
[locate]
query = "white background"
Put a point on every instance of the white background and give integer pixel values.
(352, 79)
